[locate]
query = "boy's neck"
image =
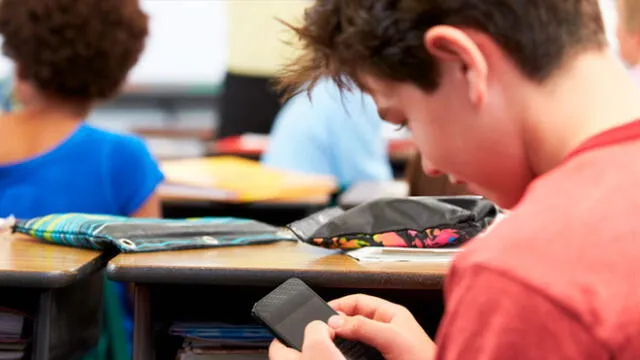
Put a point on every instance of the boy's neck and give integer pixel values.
(590, 95)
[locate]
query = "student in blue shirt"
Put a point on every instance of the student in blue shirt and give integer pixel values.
(68, 56)
(331, 133)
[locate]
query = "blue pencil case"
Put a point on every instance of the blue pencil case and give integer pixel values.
(132, 235)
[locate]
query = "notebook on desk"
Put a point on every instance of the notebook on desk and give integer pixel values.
(241, 180)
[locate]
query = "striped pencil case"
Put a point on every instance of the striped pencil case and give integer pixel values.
(131, 235)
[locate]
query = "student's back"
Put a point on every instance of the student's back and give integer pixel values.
(330, 133)
(92, 171)
(68, 56)
(581, 231)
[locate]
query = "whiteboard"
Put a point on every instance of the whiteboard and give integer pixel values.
(187, 44)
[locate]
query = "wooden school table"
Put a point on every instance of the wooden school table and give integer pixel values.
(223, 284)
(179, 203)
(237, 187)
(40, 279)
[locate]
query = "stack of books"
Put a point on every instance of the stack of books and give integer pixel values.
(218, 341)
(13, 330)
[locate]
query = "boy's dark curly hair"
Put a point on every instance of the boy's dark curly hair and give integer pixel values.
(385, 38)
(74, 49)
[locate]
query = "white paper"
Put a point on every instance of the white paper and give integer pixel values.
(379, 254)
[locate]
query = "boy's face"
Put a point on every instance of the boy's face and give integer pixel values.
(477, 145)
(628, 41)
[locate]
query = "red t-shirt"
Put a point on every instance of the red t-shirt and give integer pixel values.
(559, 277)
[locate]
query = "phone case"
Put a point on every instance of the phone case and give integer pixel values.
(280, 305)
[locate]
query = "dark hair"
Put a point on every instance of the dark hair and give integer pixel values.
(74, 49)
(385, 38)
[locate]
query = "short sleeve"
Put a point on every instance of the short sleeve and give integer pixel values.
(490, 316)
(135, 174)
(332, 133)
(298, 140)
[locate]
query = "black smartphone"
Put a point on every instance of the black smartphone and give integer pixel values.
(287, 311)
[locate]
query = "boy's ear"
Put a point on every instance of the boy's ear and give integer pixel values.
(450, 44)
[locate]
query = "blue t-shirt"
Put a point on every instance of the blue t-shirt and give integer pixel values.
(93, 171)
(331, 134)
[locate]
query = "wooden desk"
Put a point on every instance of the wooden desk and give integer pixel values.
(182, 194)
(39, 278)
(25, 262)
(175, 132)
(271, 264)
(234, 187)
(178, 204)
(222, 284)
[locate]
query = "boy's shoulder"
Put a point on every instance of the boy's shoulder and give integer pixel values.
(573, 239)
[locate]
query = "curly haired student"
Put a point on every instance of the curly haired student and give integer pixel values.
(69, 55)
(523, 101)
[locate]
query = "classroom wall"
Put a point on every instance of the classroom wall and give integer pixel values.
(188, 47)
(188, 42)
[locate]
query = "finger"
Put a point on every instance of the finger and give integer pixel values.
(368, 306)
(318, 343)
(277, 351)
(380, 335)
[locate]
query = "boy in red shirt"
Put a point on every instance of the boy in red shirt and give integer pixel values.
(522, 100)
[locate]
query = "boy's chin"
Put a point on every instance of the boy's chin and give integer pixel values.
(502, 199)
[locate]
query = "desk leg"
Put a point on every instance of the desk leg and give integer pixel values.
(43, 326)
(142, 342)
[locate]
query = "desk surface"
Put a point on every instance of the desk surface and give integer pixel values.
(171, 193)
(269, 265)
(25, 262)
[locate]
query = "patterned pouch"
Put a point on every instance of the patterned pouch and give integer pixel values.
(420, 222)
(145, 235)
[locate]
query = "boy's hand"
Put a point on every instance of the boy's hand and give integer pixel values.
(388, 327)
(318, 345)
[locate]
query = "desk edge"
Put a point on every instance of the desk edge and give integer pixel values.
(53, 279)
(251, 277)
